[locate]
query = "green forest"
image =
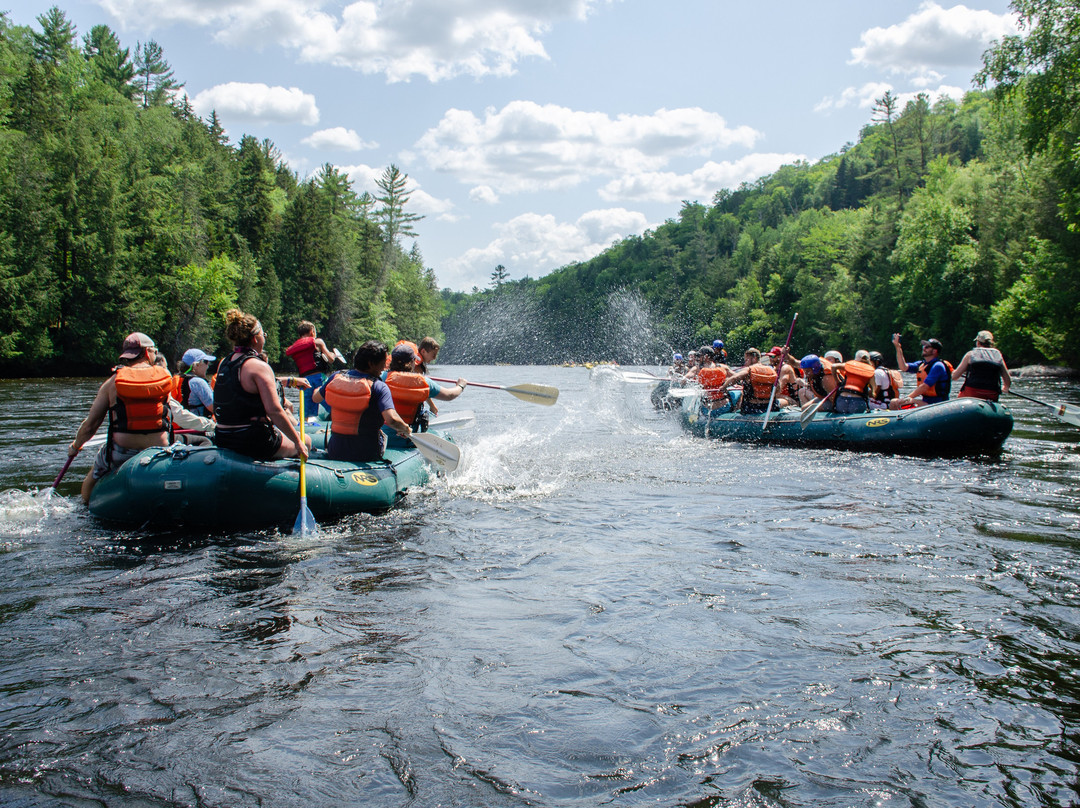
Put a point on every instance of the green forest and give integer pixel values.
(121, 210)
(943, 219)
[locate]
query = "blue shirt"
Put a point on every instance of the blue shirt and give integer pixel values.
(199, 394)
(937, 374)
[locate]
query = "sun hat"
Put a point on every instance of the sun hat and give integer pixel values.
(134, 344)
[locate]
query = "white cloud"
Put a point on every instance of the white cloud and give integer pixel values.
(257, 103)
(337, 138)
(434, 39)
(863, 97)
(933, 37)
(867, 95)
(364, 178)
(484, 194)
(529, 147)
(699, 185)
(535, 244)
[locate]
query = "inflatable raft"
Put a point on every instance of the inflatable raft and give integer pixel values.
(218, 488)
(958, 427)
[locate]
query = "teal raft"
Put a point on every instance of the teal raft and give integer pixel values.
(958, 427)
(218, 488)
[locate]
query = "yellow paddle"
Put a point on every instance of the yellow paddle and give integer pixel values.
(305, 520)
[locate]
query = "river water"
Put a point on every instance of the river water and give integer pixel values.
(594, 609)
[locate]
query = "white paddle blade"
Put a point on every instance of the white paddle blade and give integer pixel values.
(634, 377)
(340, 358)
(305, 523)
(535, 393)
(1068, 413)
(684, 392)
(453, 420)
(438, 451)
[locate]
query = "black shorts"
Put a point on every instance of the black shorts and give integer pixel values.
(260, 440)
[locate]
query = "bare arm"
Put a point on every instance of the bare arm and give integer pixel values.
(394, 421)
(262, 376)
(320, 346)
(900, 361)
(962, 367)
(1006, 379)
(98, 410)
(450, 393)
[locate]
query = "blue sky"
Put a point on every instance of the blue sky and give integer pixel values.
(537, 132)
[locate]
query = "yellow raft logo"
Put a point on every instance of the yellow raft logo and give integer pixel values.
(877, 422)
(363, 478)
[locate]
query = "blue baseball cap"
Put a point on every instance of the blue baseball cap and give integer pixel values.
(193, 355)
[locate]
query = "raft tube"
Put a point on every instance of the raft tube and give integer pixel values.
(957, 427)
(218, 488)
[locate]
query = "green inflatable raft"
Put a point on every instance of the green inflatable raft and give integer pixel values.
(958, 427)
(218, 488)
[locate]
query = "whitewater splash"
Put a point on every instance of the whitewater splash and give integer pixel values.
(24, 513)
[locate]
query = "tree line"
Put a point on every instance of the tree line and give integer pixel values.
(122, 210)
(941, 220)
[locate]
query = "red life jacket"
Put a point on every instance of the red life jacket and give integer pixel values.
(711, 379)
(303, 354)
(857, 377)
(142, 395)
(409, 391)
(349, 398)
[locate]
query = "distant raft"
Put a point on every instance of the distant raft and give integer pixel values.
(218, 488)
(958, 427)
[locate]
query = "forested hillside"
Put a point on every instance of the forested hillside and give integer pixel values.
(940, 221)
(122, 210)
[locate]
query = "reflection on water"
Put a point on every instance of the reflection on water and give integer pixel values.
(596, 609)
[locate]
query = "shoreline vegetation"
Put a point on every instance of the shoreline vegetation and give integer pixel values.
(122, 210)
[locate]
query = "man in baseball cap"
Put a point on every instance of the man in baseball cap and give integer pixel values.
(933, 375)
(135, 345)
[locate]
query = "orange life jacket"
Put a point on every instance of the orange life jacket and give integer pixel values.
(141, 406)
(857, 377)
(178, 391)
(760, 384)
(711, 380)
(409, 391)
(943, 389)
(348, 397)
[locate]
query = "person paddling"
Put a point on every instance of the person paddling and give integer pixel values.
(135, 398)
(360, 404)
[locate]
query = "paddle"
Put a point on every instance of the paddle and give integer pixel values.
(63, 471)
(437, 451)
(533, 393)
(100, 439)
(635, 377)
(339, 357)
(305, 520)
(809, 413)
(779, 367)
(683, 392)
(453, 420)
(1069, 413)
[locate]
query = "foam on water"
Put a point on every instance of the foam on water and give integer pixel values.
(24, 513)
